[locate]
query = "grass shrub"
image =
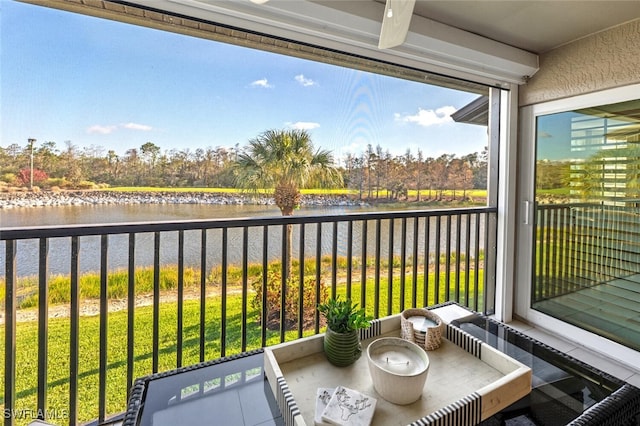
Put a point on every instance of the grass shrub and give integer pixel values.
(292, 301)
(118, 281)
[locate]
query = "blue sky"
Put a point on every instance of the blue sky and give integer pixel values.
(109, 85)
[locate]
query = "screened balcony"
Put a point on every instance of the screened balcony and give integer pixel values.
(422, 256)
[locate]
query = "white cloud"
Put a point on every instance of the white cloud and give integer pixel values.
(136, 126)
(107, 130)
(263, 83)
(304, 125)
(428, 117)
(304, 81)
(103, 130)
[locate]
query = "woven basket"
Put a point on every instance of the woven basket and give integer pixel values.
(428, 337)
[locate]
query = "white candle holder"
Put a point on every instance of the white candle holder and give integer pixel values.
(398, 369)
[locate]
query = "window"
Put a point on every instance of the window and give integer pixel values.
(587, 237)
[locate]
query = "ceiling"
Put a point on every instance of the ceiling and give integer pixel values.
(535, 26)
(493, 42)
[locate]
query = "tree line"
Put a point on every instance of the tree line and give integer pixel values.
(374, 174)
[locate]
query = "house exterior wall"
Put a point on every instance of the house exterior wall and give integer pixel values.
(601, 61)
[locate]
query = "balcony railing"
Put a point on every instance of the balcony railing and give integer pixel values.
(222, 299)
(581, 245)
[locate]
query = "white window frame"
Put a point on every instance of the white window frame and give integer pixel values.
(525, 225)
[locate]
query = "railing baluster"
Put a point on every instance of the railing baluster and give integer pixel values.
(414, 281)
(43, 325)
(547, 253)
(223, 293)
(334, 256)
(376, 298)
(538, 289)
(363, 274)
(74, 330)
(349, 257)
(156, 301)
(561, 234)
(203, 293)
(427, 245)
(458, 256)
(403, 263)
(467, 261)
(319, 272)
(301, 290)
(131, 304)
(104, 310)
(436, 288)
(180, 313)
(283, 292)
(245, 287)
(487, 256)
(447, 260)
(265, 281)
(390, 268)
(553, 264)
(476, 264)
(10, 306)
(572, 245)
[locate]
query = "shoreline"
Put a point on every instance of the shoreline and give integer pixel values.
(11, 200)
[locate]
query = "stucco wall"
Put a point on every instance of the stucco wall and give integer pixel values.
(601, 61)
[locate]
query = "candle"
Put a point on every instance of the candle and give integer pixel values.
(421, 324)
(398, 359)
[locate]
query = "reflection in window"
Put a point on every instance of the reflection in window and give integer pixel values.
(587, 248)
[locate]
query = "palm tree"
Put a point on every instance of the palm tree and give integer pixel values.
(284, 161)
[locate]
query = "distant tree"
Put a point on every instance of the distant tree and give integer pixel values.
(370, 161)
(418, 172)
(131, 164)
(440, 174)
(379, 169)
(150, 153)
(46, 157)
(428, 175)
(479, 165)
(113, 164)
(73, 166)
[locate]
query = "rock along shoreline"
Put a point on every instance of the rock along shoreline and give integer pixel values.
(10, 200)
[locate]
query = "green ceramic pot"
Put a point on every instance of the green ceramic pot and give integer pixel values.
(342, 349)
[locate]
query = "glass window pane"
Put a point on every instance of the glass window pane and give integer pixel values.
(587, 245)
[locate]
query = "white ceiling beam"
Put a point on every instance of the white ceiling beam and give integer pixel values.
(354, 27)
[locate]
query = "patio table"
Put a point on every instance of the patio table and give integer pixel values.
(226, 391)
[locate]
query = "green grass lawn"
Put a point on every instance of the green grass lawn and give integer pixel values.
(58, 343)
(317, 191)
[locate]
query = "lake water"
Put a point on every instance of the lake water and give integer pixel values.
(59, 248)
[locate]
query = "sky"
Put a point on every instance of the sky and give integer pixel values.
(95, 83)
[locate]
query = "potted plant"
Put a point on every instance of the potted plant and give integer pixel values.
(342, 339)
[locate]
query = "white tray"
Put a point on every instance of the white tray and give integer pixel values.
(468, 380)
